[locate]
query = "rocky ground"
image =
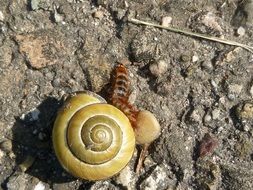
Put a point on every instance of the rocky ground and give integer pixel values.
(200, 91)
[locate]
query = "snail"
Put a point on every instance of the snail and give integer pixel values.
(92, 140)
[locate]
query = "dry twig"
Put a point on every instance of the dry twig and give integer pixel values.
(210, 38)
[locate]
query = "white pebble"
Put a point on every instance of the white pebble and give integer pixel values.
(126, 178)
(240, 31)
(195, 58)
(22, 117)
(1, 156)
(251, 90)
(246, 128)
(39, 186)
(235, 88)
(166, 21)
(1, 16)
(207, 118)
(215, 114)
(158, 68)
(214, 84)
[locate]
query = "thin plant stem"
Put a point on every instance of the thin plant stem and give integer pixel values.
(177, 30)
(143, 154)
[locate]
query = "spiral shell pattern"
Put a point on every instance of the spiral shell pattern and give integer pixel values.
(92, 139)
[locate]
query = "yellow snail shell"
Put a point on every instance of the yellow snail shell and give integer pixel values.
(92, 139)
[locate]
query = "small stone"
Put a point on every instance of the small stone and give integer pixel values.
(185, 58)
(246, 128)
(31, 116)
(207, 145)
(39, 186)
(35, 114)
(195, 58)
(231, 97)
(126, 178)
(251, 90)
(103, 185)
(34, 4)
(1, 155)
(158, 68)
(166, 21)
(58, 18)
(245, 110)
(157, 180)
(210, 20)
(195, 116)
(98, 14)
(1, 16)
(12, 155)
(41, 136)
(207, 65)
(207, 118)
(234, 90)
(6, 146)
(17, 182)
(215, 114)
(240, 31)
(214, 84)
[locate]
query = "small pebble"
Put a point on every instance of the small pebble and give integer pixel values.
(195, 58)
(35, 114)
(214, 84)
(41, 136)
(216, 114)
(34, 4)
(1, 16)
(57, 17)
(251, 90)
(207, 65)
(207, 145)
(6, 146)
(245, 110)
(1, 156)
(246, 128)
(156, 180)
(126, 178)
(17, 182)
(240, 31)
(39, 186)
(158, 68)
(235, 89)
(98, 14)
(185, 58)
(166, 21)
(195, 116)
(207, 118)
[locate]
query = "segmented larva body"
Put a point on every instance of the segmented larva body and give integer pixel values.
(120, 93)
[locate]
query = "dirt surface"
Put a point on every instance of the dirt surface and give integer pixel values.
(200, 91)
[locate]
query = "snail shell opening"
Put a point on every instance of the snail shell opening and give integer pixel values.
(92, 140)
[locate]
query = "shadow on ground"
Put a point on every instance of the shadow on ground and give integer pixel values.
(32, 140)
